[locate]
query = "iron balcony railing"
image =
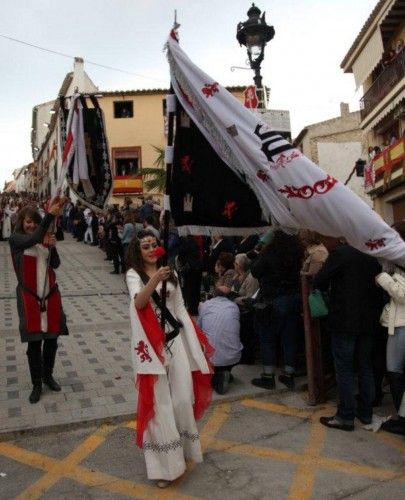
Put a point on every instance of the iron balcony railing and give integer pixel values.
(384, 83)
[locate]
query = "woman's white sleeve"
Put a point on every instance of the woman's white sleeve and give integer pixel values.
(395, 288)
(134, 283)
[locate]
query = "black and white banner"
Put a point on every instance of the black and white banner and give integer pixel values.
(292, 191)
(85, 161)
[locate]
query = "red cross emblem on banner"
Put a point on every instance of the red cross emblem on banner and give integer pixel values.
(209, 89)
(185, 162)
(229, 209)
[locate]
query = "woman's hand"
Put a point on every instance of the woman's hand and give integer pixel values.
(57, 206)
(163, 273)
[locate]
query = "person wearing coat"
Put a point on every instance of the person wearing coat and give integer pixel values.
(393, 318)
(353, 322)
(39, 304)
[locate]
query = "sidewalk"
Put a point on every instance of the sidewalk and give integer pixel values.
(93, 363)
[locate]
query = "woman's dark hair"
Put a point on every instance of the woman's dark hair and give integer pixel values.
(134, 258)
(287, 249)
(226, 260)
(25, 212)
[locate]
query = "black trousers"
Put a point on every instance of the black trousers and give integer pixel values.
(41, 358)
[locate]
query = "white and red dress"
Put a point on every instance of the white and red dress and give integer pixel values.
(39, 301)
(173, 382)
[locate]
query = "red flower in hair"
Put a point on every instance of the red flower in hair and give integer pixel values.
(159, 252)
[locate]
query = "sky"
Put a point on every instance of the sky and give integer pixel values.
(301, 65)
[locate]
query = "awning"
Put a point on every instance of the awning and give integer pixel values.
(368, 59)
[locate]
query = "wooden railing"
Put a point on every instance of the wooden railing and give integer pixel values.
(384, 83)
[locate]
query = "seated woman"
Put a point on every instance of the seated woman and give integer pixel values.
(225, 271)
(243, 288)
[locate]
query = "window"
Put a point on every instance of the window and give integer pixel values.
(123, 109)
(127, 161)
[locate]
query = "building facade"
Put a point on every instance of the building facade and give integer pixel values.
(377, 61)
(136, 130)
(336, 145)
(46, 134)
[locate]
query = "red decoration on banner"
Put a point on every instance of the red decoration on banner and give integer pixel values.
(229, 209)
(142, 351)
(284, 159)
(186, 97)
(375, 244)
(251, 100)
(262, 175)
(306, 192)
(209, 89)
(173, 34)
(185, 163)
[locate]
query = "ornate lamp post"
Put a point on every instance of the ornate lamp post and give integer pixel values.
(254, 34)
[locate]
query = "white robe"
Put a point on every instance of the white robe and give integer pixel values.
(172, 436)
(6, 230)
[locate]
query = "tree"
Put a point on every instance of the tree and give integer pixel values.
(154, 178)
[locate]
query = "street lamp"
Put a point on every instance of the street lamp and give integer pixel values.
(254, 34)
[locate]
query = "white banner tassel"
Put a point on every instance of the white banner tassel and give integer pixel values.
(169, 154)
(170, 103)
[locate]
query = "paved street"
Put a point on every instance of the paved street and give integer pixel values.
(257, 444)
(267, 448)
(93, 363)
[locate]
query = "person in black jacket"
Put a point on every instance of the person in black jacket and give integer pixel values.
(277, 269)
(353, 320)
(39, 306)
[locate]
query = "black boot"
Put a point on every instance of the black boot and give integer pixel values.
(48, 356)
(35, 365)
(36, 392)
(266, 381)
(396, 381)
(288, 380)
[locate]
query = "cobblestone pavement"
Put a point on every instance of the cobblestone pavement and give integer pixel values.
(93, 363)
(268, 448)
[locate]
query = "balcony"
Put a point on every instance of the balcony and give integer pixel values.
(384, 83)
(127, 184)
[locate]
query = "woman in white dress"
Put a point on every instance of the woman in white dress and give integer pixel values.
(8, 212)
(171, 369)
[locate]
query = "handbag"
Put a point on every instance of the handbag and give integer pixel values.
(317, 304)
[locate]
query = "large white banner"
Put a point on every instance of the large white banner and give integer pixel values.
(293, 192)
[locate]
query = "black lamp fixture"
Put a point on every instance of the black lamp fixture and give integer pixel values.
(254, 34)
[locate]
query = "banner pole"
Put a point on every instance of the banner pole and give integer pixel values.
(166, 215)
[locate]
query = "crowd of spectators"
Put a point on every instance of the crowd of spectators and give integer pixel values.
(246, 295)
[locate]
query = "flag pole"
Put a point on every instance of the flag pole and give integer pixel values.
(171, 110)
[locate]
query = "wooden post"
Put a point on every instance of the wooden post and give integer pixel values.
(313, 349)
